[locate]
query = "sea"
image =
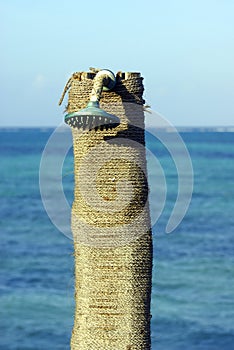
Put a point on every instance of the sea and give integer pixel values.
(193, 266)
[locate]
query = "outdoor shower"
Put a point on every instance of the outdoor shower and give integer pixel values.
(93, 117)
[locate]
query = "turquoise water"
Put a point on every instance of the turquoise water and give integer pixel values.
(193, 277)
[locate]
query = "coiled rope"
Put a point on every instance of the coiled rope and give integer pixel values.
(110, 221)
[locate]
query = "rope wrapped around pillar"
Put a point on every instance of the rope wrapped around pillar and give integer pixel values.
(110, 221)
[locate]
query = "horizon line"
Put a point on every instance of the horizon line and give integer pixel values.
(166, 128)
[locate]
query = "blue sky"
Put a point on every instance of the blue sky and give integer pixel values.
(184, 49)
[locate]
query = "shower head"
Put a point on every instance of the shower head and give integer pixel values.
(92, 117)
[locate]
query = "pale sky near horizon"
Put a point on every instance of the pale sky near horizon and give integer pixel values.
(183, 49)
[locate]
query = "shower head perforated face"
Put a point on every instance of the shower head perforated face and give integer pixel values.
(92, 117)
